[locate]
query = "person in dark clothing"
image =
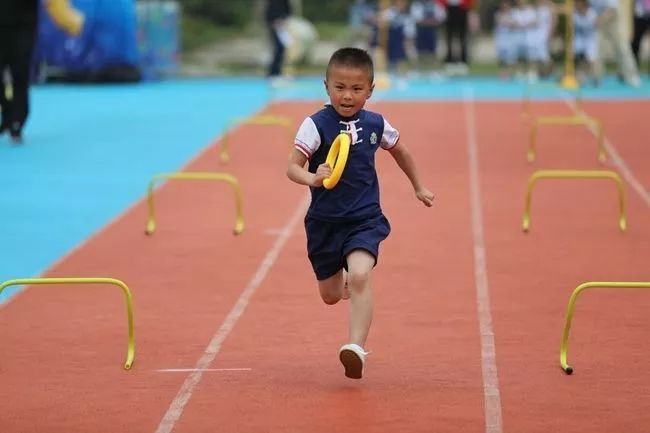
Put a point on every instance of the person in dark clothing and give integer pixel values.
(18, 23)
(277, 11)
(641, 25)
(457, 30)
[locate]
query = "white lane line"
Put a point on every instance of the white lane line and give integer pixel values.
(191, 370)
(614, 156)
(177, 406)
(491, 394)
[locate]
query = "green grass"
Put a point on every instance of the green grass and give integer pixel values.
(198, 32)
(332, 31)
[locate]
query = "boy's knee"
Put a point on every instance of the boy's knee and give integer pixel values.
(329, 298)
(358, 278)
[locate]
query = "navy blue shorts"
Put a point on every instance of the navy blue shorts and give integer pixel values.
(426, 40)
(328, 243)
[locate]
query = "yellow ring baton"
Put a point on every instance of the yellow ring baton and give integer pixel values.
(337, 157)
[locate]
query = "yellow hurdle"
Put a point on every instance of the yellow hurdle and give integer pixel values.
(526, 106)
(130, 352)
(567, 120)
(575, 174)
(285, 122)
(382, 75)
(219, 177)
(572, 301)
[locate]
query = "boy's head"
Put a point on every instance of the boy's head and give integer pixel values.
(349, 80)
(581, 5)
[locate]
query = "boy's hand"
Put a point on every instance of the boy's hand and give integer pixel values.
(425, 196)
(322, 172)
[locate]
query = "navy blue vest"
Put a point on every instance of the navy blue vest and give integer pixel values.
(356, 196)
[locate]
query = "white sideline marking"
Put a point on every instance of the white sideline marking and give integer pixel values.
(491, 394)
(188, 370)
(615, 157)
(177, 406)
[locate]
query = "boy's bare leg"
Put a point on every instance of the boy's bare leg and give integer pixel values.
(360, 264)
(346, 289)
(331, 289)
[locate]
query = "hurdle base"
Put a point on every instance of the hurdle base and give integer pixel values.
(570, 82)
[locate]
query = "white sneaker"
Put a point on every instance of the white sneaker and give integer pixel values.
(353, 357)
(634, 81)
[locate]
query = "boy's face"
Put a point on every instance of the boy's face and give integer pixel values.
(348, 89)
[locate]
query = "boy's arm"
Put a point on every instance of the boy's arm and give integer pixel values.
(297, 172)
(306, 143)
(405, 161)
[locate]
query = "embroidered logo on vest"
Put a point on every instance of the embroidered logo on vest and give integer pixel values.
(373, 138)
(352, 130)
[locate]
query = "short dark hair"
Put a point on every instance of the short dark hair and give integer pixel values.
(352, 58)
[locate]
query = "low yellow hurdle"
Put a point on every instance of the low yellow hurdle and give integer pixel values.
(572, 301)
(575, 174)
(567, 120)
(130, 352)
(285, 122)
(526, 111)
(220, 177)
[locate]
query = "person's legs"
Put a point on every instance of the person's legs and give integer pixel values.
(589, 56)
(353, 355)
(275, 68)
(639, 30)
(5, 104)
(332, 289)
(644, 27)
(624, 60)
(19, 66)
(360, 264)
(602, 40)
(463, 28)
(451, 29)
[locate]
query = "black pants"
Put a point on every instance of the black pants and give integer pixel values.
(16, 46)
(275, 68)
(456, 30)
(641, 25)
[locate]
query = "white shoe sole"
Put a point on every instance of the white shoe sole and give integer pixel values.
(352, 363)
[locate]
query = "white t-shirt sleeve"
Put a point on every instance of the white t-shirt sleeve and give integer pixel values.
(390, 137)
(307, 139)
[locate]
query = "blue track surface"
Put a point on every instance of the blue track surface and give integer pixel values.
(91, 150)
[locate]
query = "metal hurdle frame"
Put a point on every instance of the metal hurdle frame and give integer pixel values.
(526, 111)
(130, 352)
(572, 301)
(578, 119)
(575, 174)
(219, 177)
